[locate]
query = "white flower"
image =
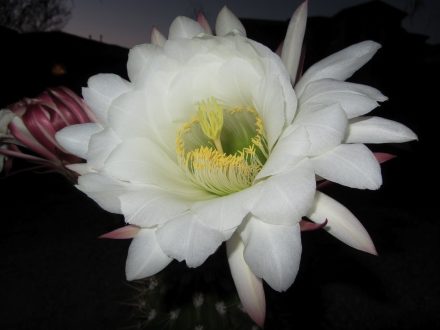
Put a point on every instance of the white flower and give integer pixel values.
(208, 142)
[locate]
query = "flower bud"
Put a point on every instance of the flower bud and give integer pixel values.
(33, 122)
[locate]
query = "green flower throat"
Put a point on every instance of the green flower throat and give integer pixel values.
(222, 149)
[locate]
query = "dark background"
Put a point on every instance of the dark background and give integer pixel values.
(56, 274)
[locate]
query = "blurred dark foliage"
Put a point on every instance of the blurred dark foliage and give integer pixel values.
(34, 15)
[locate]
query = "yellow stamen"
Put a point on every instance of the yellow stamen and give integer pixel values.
(210, 115)
(220, 173)
(211, 168)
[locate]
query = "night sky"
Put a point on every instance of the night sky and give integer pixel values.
(129, 22)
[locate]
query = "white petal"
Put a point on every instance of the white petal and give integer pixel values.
(104, 190)
(274, 66)
(227, 23)
(102, 89)
(272, 106)
(249, 287)
(184, 50)
(187, 238)
(100, 146)
(138, 59)
(151, 206)
(286, 197)
(139, 114)
(75, 138)
(193, 84)
(341, 223)
(141, 161)
(378, 130)
(340, 65)
(131, 161)
(273, 252)
(237, 81)
(157, 38)
(145, 257)
(291, 52)
(325, 127)
(355, 99)
(290, 149)
(352, 165)
(226, 213)
(184, 28)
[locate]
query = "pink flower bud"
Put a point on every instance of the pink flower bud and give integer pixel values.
(36, 121)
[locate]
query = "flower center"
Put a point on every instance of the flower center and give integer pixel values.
(222, 148)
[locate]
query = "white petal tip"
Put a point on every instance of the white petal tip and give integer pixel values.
(184, 28)
(371, 45)
(366, 245)
(375, 185)
(131, 277)
(341, 223)
(382, 98)
(291, 51)
(227, 23)
(373, 251)
(411, 136)
(156, 37)
(303, 6)
(364, 48)
(192, 264)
